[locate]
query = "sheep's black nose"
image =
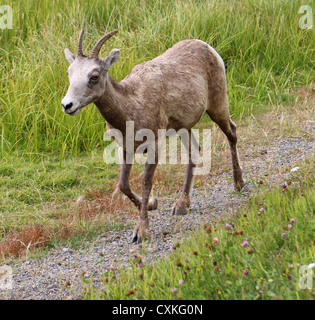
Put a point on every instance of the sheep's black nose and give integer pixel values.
(68, 106)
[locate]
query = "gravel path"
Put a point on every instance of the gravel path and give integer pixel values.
(58, 274)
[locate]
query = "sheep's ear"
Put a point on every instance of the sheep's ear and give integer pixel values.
(69, 55)
(111, 59)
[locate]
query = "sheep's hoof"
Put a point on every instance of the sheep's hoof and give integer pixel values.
(140, 231)
(134, 238)
(239, 186)
(178, 212)
(181, 206)
(153, 204)
(245, 188)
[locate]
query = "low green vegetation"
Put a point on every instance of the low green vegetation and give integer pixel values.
(26, 186)
(39, 201)
(255, 254)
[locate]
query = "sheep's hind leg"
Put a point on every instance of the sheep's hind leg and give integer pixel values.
(220, 115)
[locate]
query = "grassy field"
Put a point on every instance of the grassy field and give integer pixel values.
(266, 54)
(49, 161)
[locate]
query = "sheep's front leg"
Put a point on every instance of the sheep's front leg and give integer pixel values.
(142, 226)
(125, 187)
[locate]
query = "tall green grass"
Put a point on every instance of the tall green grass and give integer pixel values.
(267, 55)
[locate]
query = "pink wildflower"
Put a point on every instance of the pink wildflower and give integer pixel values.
(261, 209)
(181, 281)
(290, 226)
(244, 243)
(227, 226)
(245, 272)
(174, 289)
(283, 234)
(244, 214)
(215, 240)
(292, 220)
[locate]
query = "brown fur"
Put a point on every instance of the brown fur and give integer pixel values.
(172, 91)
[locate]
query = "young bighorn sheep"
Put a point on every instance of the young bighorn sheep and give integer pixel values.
(172, 91)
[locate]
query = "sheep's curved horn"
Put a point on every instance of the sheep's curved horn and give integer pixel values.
(95, 51)
(79, 51)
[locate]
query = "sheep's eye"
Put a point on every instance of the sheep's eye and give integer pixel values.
(94, 78)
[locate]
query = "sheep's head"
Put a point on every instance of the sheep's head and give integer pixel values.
(87, 75)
